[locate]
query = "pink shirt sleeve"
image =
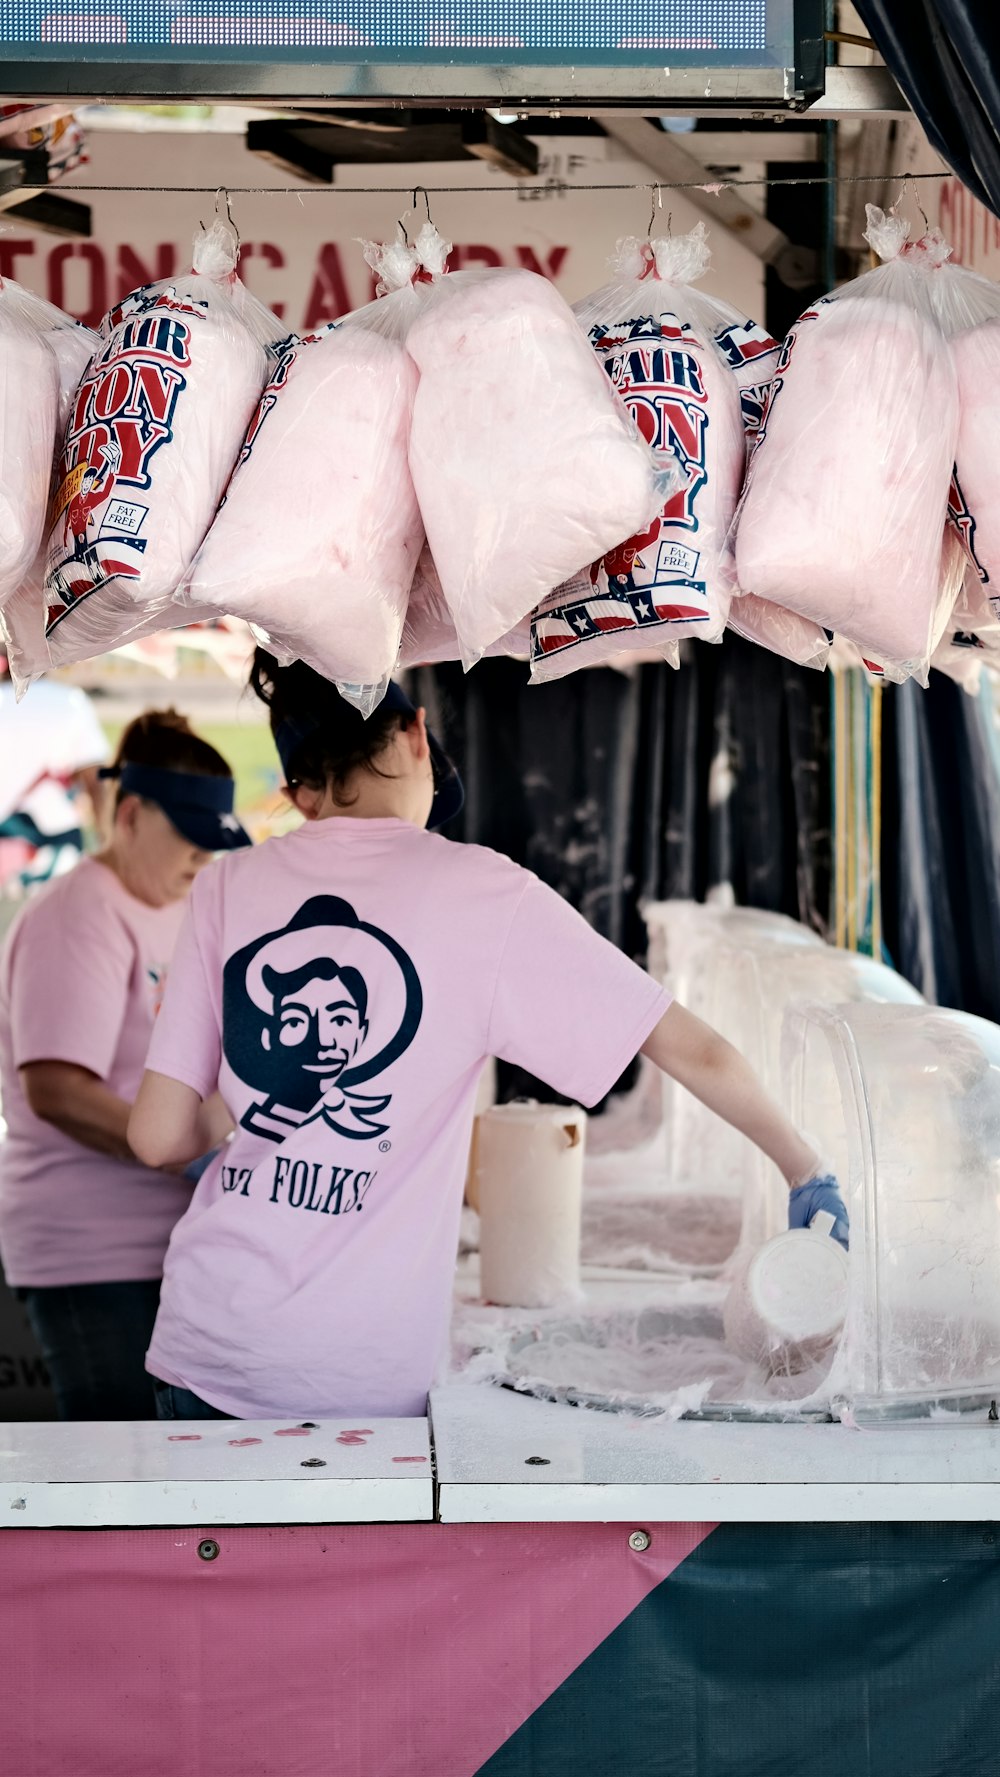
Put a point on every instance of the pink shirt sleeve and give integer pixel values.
(69, 987)
(569, 1007)
(187, 1035)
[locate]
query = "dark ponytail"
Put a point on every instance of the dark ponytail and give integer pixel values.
(164, 738)
(337, 741)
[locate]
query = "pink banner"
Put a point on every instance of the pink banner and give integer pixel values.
(359, 1651)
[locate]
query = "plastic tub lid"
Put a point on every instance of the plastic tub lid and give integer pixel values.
(798, 1282)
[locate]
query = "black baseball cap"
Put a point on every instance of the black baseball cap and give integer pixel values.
(449, 791)
(200, 807)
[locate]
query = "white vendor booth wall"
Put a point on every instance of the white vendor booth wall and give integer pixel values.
(301, 255)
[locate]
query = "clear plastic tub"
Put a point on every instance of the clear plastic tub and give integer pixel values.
(912, 1098)
(741, 970)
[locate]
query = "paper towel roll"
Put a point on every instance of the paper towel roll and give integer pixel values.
(529, 1169)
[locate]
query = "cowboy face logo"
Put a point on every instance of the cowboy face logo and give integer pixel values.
(312, 1012)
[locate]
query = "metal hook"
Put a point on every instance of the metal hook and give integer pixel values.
(401, 225)
(427, 202)
(655, 197)
(916, 198)
(222, 196)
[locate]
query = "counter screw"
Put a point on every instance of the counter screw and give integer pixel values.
(208, 1550)
(313, 1462)
(639, 1541)
(536, 1462)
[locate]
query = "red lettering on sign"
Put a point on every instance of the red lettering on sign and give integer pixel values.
(328, 297)
(460, 257)
(272, 256)
(552, 265)
(131, 272)
(91, 311)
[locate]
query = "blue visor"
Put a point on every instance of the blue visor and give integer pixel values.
(449, 791)
(201, 808)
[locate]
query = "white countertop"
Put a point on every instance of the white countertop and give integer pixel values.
(595, 1467)
(215, 1472)
(610, 1467)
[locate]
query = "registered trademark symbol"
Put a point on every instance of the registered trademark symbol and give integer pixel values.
(384, 1146)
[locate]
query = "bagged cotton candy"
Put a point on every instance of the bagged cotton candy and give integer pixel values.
(752, 355)
(780, 632)
(34, 645)
(429, 635)
(154, 431)
(42, 357)
(968, 308)
(318, 538)
(847, 493)
(525, 464)
(657, 341)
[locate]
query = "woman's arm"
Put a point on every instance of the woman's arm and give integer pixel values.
(171, 1125)
(716, 1073)
(78, 1103)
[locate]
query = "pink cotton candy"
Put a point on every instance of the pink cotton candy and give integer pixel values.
(658, 342)
(846, 501)
(318, 538)
(38, 638)
(525, 465)
(42, 356)
(429, 635)
(152, 435)
(779, 631)
(977, 458)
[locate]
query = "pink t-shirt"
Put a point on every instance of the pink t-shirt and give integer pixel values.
(81, 980)
(343, 986)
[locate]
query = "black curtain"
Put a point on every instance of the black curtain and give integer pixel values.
(941, 844)
(945, 55)
(617, 788)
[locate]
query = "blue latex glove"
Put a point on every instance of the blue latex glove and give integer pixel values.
(806, 1202)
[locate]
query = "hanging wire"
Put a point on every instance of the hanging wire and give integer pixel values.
(421, 190)
(549, 187)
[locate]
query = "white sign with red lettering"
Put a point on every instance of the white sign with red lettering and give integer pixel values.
(301, 252)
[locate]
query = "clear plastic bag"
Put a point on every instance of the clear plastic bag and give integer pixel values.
(971, 642)
(154, 431)
(34, 645)
(429, 635)
(42, 356)
(847, 493)
(319, 534)
(657, 341)
(526, 465)
(780, 631)
(752, 356)
(968, 308)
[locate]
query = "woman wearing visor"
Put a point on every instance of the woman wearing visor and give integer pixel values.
(83, 1223)
(343, 985)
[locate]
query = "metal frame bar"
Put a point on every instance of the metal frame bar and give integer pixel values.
(411, 83)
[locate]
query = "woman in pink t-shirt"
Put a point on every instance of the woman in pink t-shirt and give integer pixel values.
(84, 1224)
(343, 986)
